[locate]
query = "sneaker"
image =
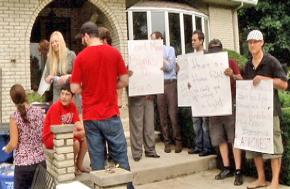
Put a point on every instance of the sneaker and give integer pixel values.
(223, 174)
(238, 178)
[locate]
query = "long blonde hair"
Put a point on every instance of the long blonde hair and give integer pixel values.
(57, 61)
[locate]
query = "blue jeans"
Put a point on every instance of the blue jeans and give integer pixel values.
(200, 127)
(110, 131)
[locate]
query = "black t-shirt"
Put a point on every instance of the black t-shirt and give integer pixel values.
(269, 67)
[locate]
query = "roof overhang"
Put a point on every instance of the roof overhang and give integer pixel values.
(232, 3)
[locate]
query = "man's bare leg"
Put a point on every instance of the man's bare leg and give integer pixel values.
(82, 152)
(261, 181)
(275, 165)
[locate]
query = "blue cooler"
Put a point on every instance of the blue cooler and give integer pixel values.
(6, 176)
(4, 139)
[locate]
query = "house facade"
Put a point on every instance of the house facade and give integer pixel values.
(23, 23)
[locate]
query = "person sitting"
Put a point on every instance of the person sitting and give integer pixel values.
(64, 111)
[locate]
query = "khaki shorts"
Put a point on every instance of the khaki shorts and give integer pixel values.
(222, 129)
(278, 145)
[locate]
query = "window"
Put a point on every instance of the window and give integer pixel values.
(174, 31)
(198, 24)
(176, 25)
(140, 29)
(158, 22)
(187, 19)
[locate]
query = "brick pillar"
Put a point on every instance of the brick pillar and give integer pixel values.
(60, 160)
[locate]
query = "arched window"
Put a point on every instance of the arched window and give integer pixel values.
(176, 24)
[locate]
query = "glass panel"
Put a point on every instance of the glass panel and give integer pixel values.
(140, 30)
(206, 33)
(174, 32)
(198, 23)
(187, 32)
(158, 22)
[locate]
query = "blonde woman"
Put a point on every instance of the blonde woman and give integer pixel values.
(59, 63)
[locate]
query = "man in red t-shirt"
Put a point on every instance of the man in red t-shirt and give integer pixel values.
(222, 128)
(64, 111)
(98, 71)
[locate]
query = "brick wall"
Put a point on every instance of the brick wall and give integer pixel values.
(16, 21)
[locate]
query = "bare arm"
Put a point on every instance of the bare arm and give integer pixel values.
(277, 82)
(13, 136)
(123, 81)
(76, 88)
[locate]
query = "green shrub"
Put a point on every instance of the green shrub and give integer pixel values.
(240, 59)
(284, 97)
(35, 97)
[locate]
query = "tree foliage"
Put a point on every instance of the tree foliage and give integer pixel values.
(272, 17)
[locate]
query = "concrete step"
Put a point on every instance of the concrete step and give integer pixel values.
(169, 165)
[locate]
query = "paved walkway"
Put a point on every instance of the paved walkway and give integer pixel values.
(201, 180)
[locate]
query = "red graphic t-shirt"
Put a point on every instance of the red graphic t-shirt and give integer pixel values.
(57, 115)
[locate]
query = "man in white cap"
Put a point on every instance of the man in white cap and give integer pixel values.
(263, 66)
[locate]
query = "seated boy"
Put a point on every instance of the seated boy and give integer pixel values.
(64, 111)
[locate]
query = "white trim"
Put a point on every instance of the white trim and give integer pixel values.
(203, 31)
(182, 38)
(130, 25)
(167, 33)
(193, 23)
(149, 24)
(174, 10)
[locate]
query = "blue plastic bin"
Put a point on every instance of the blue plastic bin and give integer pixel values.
(4, 139)
(6, 176)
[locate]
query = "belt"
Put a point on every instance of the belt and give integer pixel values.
(166, 81)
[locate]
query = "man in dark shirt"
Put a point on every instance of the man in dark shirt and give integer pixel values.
(264, 67)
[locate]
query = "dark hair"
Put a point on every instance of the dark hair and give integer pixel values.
(18, 96)
(158, 35)
(104, 34)
(215, 45)
(66, 87)
(89, 28)
(200, 35)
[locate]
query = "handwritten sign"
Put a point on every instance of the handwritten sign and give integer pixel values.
(210, 87)
(183, 91)
(145, 61)
(254, 116)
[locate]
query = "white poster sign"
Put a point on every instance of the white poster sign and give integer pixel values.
(43, 86)
(210, 87)
(254, 116)
(183, 90)
(145, 61)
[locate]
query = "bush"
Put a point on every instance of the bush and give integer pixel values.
(35, 97)
(240, 59)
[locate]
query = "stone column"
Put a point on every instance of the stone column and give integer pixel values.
(60, 160)
(113, 178)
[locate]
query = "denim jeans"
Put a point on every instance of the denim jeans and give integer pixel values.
(200, 127)
(110, 131)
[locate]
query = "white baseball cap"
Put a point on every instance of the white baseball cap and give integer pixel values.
(255, 35)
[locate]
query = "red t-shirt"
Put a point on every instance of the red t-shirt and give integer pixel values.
(97, 69)
(234, 66)
(57, 115)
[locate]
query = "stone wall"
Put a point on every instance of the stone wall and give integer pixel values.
(16, 21)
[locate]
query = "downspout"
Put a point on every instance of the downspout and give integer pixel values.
(236, 27)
